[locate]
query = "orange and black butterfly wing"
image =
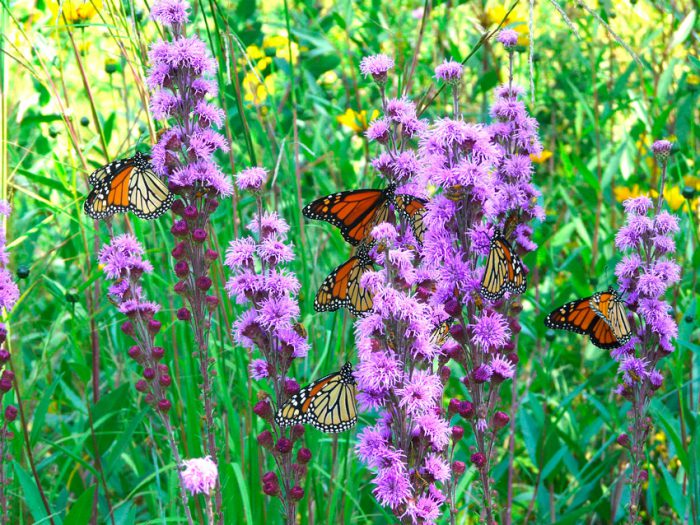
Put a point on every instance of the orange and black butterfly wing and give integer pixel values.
(110, 193)
(354, 212)
(328, 404)
(412, 209)
(341, 289)
(504, 271)
(578, 316)
(127, 185)
(610, 307)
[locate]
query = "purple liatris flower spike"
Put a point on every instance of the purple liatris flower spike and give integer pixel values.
(508, 37)
(449, 71)
(260, 280)
(645, 274)
(180, 77)
(395, 375)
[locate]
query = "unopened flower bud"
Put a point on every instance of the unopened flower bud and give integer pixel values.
(453, 407)
(212, 302)
(179, 229)
(266, 440)
(179, 251)
(164, 405)
(270, 477)
(623, 440)
(190, 212)
(271, 489)
(154, 326)
(178, 207)
(4, 356)
(296, 493)
(500, 419)
(263, 409)
(304, 455)
(297, 431)
(128, 328)
(291, 387)
(284, 445)
(457, 433)
(182, 269)
(10, 413)
(445, 373)
(466, 409)
(180, 287)
(183, 314)
(211, 205)
(134, 352)
(158, 352)
(165, 380)
(149, 373)
(199, 235)
(203, 283)
(478, 460)
(458, 467)
(453, 309)
(141, 385)
(211, 255)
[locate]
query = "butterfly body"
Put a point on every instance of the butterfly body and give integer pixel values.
(328, 403)
(341, 289)
(504, 271)
(127, 185)
(601, 316)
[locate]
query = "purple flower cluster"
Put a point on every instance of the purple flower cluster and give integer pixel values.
(644, 275)
(9, 295)
(260, 281)
(180, 77)
(123, 262)
(395, 375)
(377, 66)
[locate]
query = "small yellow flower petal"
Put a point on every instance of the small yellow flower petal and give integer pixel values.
(542, 157)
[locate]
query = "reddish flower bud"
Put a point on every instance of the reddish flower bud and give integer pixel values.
(270, 477)
(271, 489)
(457, 433)
(453, 308)
(134, 352)
(182, 269)
(500, 419)
(296, 493)
(466, 409)
(5, 384)
(212, 302)
(141, 385)
(165, 380)
(304, 455)
(203, 283)
(211, 255)
(513, 358)
(149, 373)
(180, 287)
(212, 204)
(178, 207)
(266, 440)
(514, 325)
(284, 445)
(179, 251)
(3, 333)
(457, 332)
(199, 235)
(644, 476)
(458, 467)
(128, 328)
(154, 326)
(263, 409)
(445, 373)
(163, 369)
(10, 413)
(4, 356)
(478, 460)
(164, 405)
(179, 229)
(158, 352)
(190, 212)
(291, 387)
(453, 407)
(183, 314)
(623, 440)
(297, 431)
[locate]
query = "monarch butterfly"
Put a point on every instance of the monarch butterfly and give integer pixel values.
(341, 289)
(440, 333)
(357, 212)
(328, 403)
(504, 270)
(602, 317)
(127, 185)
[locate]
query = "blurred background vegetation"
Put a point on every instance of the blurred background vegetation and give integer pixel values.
(609, 78)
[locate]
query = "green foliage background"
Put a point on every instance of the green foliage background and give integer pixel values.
(608, 82)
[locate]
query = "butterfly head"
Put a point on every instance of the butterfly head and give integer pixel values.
(346, 373)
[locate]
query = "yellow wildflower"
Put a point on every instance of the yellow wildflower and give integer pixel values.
(254, 52)
(282, 47)
(693, 79)
(495, 14)
(673, 197)
(356, 121)
(328, 78)
(623, 193)
(255, 90)
(692, 181)
(74, 11)
(542, 157)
